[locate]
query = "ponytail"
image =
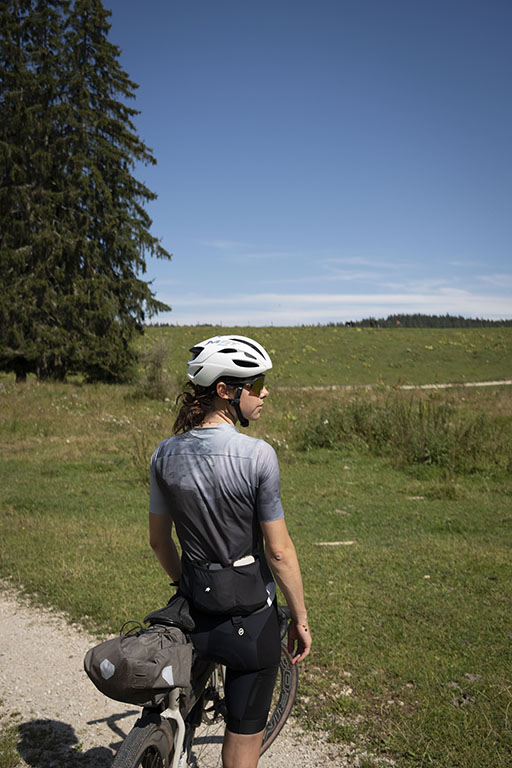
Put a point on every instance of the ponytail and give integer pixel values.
(195, 405)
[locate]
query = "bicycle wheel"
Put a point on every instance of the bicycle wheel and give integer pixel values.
(204, 739)
(283, 699)
(148, 745)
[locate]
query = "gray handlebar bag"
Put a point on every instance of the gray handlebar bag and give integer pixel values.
(142, 667)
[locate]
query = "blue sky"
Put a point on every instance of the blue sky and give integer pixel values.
(325, 160)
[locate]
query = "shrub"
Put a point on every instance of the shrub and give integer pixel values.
(155, 384)
(413, 431)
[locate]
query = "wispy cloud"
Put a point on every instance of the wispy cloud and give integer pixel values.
(499, 280)
(311, 308)
(261, 256)
(464, 263)
(226, 245)
(419, 285)
(361, 261)
(328, 277)
(233, 250)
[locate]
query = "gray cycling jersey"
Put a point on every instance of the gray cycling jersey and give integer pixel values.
(217, 484)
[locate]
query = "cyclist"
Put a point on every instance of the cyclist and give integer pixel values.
(221, 490)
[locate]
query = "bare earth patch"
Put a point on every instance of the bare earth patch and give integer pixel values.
(64, 721)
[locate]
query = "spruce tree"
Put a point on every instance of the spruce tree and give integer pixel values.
(30, 44)
(76, 297)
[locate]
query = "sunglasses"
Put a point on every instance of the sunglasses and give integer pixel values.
(255, 385)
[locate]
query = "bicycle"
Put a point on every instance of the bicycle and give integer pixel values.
(188, 729)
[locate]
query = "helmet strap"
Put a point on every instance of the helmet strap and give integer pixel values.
(235, 402)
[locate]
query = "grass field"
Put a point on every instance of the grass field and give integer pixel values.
(341, 356)
(411, 620)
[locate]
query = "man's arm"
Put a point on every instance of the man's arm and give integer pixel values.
(162, 544)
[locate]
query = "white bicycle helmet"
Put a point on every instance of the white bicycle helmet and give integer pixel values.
(231, 356)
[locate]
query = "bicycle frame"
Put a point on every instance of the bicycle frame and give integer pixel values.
(173, 713)
(172, 725)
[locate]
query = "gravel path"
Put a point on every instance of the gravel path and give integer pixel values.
(356, 387)
(41, 657)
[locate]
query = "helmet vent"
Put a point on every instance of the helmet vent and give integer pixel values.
(195, 351)
(230, 351)
(246, 364)
(248, 344)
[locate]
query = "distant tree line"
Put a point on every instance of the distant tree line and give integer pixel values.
(394, 321)
(426, 321)
(74, 234)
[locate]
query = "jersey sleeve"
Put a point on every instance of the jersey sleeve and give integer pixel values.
(157, 502)
(268, 499)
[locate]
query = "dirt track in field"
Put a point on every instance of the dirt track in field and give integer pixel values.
(359, 387)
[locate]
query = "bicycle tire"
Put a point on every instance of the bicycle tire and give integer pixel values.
(283, 699)
(204, 742)
(148, 745)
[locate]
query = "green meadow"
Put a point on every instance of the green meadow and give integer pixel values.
(399, 503)
(328, 356)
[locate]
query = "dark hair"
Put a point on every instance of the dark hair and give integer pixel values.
(197, 403)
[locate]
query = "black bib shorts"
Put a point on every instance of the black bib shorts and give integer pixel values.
(250, 649)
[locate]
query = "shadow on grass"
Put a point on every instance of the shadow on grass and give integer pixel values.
(54, 744)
